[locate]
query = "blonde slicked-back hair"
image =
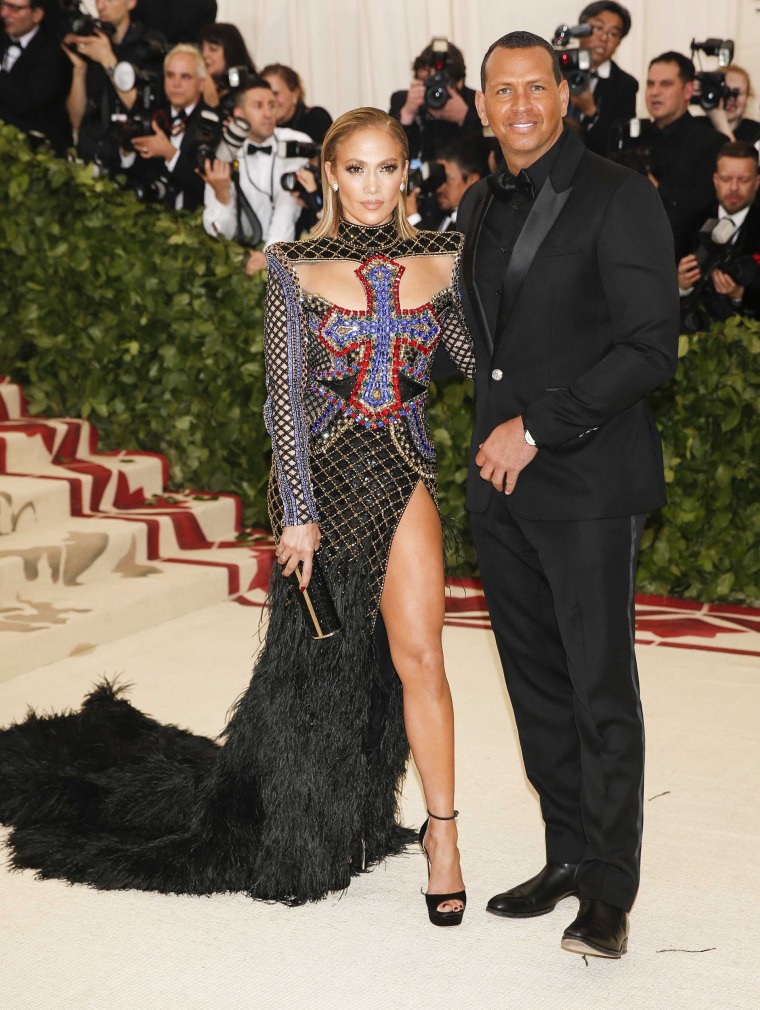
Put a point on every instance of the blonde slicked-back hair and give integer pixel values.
(343, 127)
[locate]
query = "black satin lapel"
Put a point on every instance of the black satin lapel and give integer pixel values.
(468, 265)
(546, 210)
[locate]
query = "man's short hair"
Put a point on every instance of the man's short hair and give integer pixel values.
(468, 157)
(595, 9)
(520, 40)
(250, 84)
(738, 149)
(686, 70)
(185, 49)
(455, 61)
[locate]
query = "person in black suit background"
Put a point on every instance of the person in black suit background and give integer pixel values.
(736, 287)
(730, 118)
(682, 148)
(177, 20)
(611, 96)
(569, 287)
(35, 75)
(169, 155)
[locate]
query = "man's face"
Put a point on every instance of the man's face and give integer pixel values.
(667, 96)
(522, 103)
(607, 32)
(19, 18)
(259, 107)
(182, 84)
(114, 12)
(450, 192)
(736, 181)
(736, 107)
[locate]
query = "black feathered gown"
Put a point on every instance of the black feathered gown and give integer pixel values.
(302, 790)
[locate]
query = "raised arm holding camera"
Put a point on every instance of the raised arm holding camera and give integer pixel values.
(270, 154)
(95, 48)
(729, 115)
(611, 92)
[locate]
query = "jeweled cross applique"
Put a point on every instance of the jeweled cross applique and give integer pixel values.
(379, 333)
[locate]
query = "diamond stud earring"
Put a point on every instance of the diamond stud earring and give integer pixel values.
(334, 187)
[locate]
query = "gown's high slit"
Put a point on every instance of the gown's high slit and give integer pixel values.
(301, 790)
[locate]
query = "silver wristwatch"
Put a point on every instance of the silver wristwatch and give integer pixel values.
(528, 437)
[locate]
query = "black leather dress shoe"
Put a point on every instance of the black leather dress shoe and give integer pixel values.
(538, 895)
(600, 929)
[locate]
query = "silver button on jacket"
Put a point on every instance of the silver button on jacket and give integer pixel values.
(497, 375)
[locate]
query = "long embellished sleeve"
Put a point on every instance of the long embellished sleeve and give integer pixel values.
(284, 413)
(455, 335)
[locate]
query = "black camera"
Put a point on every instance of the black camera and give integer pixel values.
(710, 87)
(297, 149)
(716, 251)
(631, 144)
(290, 182)
(427, 177)
(438, 84)
(137, 121)
(155, 191)
(219, 139)
(77, 21)
(575, 64)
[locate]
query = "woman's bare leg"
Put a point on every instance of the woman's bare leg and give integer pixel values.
(412, 606)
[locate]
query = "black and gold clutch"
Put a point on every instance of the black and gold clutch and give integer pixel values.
(316, 602)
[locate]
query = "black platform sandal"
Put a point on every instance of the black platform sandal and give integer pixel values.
(432, 901)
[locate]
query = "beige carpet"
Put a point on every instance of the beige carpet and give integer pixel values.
(694, 929)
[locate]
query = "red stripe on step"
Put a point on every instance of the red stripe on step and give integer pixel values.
(233, 572)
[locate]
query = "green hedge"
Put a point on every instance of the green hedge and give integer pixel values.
(133, 316)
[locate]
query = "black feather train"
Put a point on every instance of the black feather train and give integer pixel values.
(301, 794)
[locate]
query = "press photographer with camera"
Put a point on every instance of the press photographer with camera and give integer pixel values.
(292, 110)
(226, 56)
(438, 108)
(459, 166)
(161, 165)
(722, 275)
(95, 48)
(35, 76)
(250, 204)
(611, 92)
(729, 116)
(682, 151)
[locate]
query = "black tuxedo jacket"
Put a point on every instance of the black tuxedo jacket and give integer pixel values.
(183, 178)
(615, 98)
(33, 94)
(588, 325)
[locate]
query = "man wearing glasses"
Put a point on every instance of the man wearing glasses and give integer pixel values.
(35, 76)
(611, 95)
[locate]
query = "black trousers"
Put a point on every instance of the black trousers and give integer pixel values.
(560, 595)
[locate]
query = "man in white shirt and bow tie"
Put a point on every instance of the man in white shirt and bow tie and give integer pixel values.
(261, 167)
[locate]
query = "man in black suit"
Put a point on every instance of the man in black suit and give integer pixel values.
(167, 158)
(734, 286)
(569, 287)
(683, 150)
(35, 76)
(611, 96)
(177, 20)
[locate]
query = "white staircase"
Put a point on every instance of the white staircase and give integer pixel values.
(92, 548)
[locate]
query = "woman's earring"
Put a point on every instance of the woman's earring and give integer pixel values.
(334, 187)
(402, 187)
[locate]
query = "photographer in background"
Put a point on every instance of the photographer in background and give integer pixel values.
(611, 95)
(259, 178)
(35, 76)
(177, 20)
(721, 278)
(430, 129)
(163, 163)
(94, 98)
(461, 166)
(683, 152)
(728, 118)
(292, 111)
(222, 47)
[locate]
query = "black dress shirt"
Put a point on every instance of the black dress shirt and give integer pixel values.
(503, 223)
(683, 162)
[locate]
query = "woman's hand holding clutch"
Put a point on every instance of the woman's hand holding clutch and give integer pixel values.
(296, 549)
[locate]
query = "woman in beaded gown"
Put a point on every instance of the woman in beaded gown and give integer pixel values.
(302, 790)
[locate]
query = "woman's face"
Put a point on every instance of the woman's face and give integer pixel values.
(213, 57)
(736, 106)
(370, 171)
(286, 98)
